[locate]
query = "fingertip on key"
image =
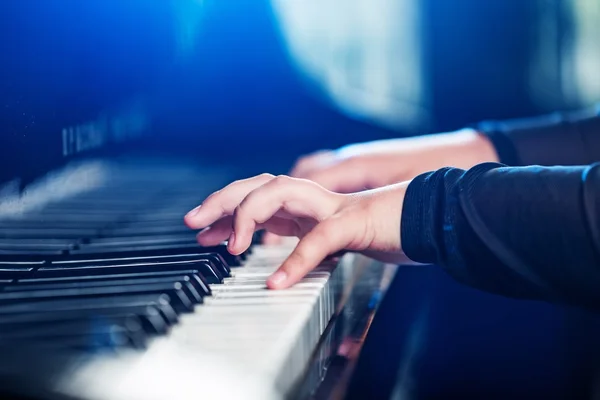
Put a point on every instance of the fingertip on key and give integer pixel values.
(277, 280)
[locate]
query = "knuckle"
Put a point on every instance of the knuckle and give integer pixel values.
(281, 180)
(266, 176)
(250, 208)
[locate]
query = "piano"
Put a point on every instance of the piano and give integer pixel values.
(105, 294)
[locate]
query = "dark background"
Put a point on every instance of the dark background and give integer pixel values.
(231, 96)
(232, 91)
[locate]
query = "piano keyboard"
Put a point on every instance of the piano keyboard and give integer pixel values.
(112, 275)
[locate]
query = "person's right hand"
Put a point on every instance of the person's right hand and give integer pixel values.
(375, 164)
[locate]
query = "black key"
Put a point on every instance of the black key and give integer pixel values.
(177, 296)
(125, 300)
(199, 282)
(20, 265)
(171, 220)
(35, 247)
(188, 238)
(13, 270)
(31, 254)
(219, 262)
(117, 304)
(187, 282)
(67, 219)
(92, 333)
(149, 251)
(258, 236)
(84, 268)
(47, 233)
(8, 243)
(159, 229)
(159, 216)
(215, 260)
(150, 316)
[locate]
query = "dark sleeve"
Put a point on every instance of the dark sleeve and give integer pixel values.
(528, 232)
(558, 139)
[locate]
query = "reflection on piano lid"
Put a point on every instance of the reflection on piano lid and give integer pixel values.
(105, 294)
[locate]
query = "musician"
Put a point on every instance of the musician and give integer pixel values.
(508, 207)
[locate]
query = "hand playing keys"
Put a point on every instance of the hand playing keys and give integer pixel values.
(326, 222)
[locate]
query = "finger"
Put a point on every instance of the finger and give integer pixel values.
(224, 201)
(222, 229)
(297, 198)
(216, 233)
(271, 239)
(342, 177)
(311, 162)
(326, 238)
(278, 226)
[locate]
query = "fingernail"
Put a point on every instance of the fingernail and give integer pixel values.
(278, 278)
(194, 212)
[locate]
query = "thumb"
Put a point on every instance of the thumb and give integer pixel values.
(326, 238)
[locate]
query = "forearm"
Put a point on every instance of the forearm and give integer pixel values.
(520, 232)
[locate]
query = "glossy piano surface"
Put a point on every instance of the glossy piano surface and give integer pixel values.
(105, 276)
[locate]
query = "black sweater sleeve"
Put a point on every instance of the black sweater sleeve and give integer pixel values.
(528, 232)
(559, 139)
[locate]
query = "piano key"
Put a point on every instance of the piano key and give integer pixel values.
(160, 216)
(59, 221)
(151, 318)
(199, 282)
(92, 335)
(89, 324)
(191, 286)
(151, 230)
(14, 265)
(175, 291)
(47, 233)
(31, 254)
(29, 245)
(84, 252)
(12, 270)
(126, 241)
(213, 259)
(33, 242)
(160, 301)
(83, 268)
